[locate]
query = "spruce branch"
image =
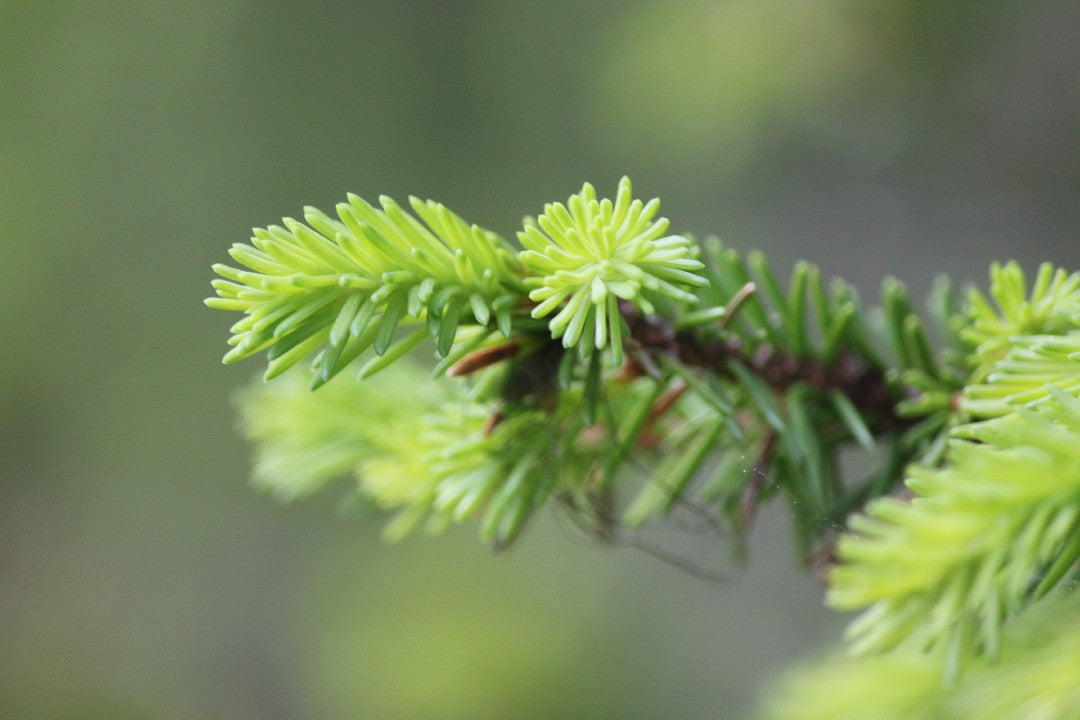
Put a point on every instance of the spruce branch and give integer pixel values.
(744, 367)
(801, 368)
(950, 566)
(336, 288)
(627, 376)
(989, 532)
(998, 524)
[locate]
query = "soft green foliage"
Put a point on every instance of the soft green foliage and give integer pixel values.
(1035, 678)
(806, 319)
(345, 285)
(808, 381)
(452, 469)
(305, 440)
(421, 451)
(1024, 375)
(597, 266)
(950, 566)
(1051, 308)
(953, 579)
(337, 287)
(589, 375)
(587, 256)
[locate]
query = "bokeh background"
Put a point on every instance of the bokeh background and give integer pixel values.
(140, 576)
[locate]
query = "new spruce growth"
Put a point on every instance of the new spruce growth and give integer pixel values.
(625, 374)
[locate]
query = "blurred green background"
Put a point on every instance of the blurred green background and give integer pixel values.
(140, 576)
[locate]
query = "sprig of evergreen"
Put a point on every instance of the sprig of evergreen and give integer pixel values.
(340, 287)
(627, 374)
(995, 527)
(999, 523)
(746, 390)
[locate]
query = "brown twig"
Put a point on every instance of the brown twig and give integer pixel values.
(484, 357)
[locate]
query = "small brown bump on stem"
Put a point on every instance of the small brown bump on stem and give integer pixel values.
(485, 357)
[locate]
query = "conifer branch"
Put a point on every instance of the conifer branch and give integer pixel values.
(997, 525)
(951, 565)
(790, 375)
(627, 374)
(335, 288)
